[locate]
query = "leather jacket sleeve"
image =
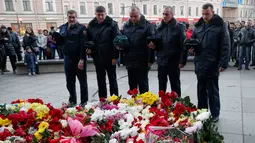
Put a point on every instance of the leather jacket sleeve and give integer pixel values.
(151, 52)
(184, 52)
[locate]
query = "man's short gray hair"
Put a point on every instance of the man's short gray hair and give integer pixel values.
(134, 9)
(169, 8)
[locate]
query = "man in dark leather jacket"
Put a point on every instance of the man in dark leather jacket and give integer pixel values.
(236, 39)
(211, 59)
(169, 51)
(74, 35)
(102, 30)
(247, 38)
(138, 57)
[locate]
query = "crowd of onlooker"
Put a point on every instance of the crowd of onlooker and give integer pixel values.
(42, 46)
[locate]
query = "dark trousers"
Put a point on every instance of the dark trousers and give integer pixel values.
(101, 80)
(138, 78)
(13, 61)
(173, 73)
(253, 54)
(60, 52)
(244, 50)
(71, 71)
(18, 53)
(53, 51)
(208, 92)
(42, 53)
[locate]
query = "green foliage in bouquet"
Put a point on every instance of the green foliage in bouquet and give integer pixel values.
(209, 133)
(6, 111)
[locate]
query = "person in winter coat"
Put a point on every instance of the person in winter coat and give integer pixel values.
(102, 30)
(236, 40)
(211, 58)
(189, 31)
(138, 57)
(74, 35)
(7, 43)
(42, 44)
(16, 43)
(30, 61)
(30, 40)
(247, 38)
(170, 53)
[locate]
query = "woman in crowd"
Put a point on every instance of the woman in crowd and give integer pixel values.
(6, 49)
(29, 40)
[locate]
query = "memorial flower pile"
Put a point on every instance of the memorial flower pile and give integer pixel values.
(141, 118)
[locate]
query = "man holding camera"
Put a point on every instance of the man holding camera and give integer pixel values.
(211, 57)
(101, 32)
(170, 51)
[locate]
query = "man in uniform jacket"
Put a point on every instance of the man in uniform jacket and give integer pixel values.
(137, 56)
(102, 30)
(212, 58)
(170, 51)
(74, 35)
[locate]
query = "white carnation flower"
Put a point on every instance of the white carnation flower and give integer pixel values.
(113, 141)
(141, 136)
(98, 115)
(64, 123)
(203, 116)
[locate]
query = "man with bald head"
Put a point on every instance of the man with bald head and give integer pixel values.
(138, 57)
(170, 57)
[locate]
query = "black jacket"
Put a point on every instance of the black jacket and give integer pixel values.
(15, 40)
(171, 49)
(235, 36)
(8, 45)
(29, 41)
(73, 39)
(103, 35)
(215, 46)
(137, 54)
(246, 36)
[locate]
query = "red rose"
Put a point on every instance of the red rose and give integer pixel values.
(161, 93)
(19, 132)
(29, 138)
(140, 141)
(173, 95)
(55, 126)
(79, 108)
(140, 118)
(4, 135)
(130, 92)
(135, 91)
(102, 99)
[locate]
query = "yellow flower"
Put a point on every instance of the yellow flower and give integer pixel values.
(41, 110)
(5, 122)
(113, 98)
(43, 125)
(38, 136)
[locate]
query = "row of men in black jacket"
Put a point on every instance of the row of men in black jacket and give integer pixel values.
(139, 54)
(242, 40)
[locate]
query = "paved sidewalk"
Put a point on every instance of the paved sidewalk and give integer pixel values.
(236, 88)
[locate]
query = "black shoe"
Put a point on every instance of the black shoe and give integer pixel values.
(69, 105)
(5, 70)
(2, 73)
(14, 72)
(236, 65)
(247, 69)
(215, 119)
(252, 65)
(83, 104)
(239, 69)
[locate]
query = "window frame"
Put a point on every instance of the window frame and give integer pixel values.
(108, 9)
(52, 5)
(85, 8)
(181, 10)
(154, 9)
(145, 10)
(23, 5)
(9, 1)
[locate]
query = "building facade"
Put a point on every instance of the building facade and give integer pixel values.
(42, 14)
(238, 10)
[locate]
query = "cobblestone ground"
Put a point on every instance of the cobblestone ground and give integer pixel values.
(236, 88)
